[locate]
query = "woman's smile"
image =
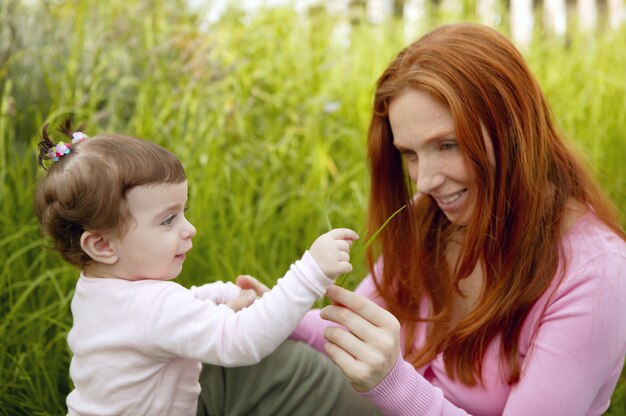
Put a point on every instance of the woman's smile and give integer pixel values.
(453, 202)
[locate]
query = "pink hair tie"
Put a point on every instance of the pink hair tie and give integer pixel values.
(62, 148)
(78, 137)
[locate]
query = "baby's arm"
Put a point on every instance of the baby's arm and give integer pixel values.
(219, 335)
(218, 292)
(235, 297)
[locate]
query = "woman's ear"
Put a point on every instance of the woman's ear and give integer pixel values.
(98, 246)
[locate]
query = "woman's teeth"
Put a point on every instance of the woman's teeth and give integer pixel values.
(450, 199)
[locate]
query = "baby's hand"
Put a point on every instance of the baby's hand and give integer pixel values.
(330, 251)
(251, 290)
(245, 281)
(246, 298)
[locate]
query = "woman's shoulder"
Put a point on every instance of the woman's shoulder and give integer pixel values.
(594, 258)
(591, 281)
(589, 238)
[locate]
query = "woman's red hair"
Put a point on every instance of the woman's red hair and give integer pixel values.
(515, 233)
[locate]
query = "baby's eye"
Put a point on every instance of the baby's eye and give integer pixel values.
(169, 220)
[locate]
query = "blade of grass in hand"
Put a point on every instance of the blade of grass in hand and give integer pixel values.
(372, 238)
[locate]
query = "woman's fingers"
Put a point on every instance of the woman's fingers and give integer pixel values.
(346, 340)
(368, 345)
(360, 338)
(364, 369)
(357, 325)
(362, 307)
(344, 361)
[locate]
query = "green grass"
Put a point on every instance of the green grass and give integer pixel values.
(247, 105)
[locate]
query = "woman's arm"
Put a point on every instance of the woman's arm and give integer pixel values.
(367, 349)
(576, 352)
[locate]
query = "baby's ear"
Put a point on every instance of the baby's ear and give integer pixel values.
(98, 246)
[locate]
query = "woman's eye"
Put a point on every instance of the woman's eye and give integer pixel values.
(448, 146)
(409, 155)
(169, 220)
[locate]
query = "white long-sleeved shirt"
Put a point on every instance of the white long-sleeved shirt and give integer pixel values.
(138, 345)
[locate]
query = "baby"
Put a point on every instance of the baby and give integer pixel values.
(114, 206)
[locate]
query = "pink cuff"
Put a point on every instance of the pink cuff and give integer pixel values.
(405, 392)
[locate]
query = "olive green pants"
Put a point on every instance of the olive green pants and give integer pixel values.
(294, 380)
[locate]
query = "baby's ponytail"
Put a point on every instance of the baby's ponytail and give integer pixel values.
(50, 151)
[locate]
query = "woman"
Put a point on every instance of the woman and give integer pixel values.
(500, 288)
(505, 274)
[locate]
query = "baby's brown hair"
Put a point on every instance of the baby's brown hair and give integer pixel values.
(86, 189)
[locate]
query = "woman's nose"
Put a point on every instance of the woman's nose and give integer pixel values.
(429, 176)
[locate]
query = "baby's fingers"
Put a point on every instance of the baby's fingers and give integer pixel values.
(343, 256)
(343, 234)
(249, 282)
(344, 267)
(245, 298)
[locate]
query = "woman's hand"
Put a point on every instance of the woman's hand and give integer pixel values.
(369, 346)
(251, 290)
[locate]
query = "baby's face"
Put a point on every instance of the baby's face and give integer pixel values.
(158, 235)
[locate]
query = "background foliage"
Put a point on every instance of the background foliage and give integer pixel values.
(268, 114)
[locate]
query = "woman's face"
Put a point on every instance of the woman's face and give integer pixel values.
(423, 131)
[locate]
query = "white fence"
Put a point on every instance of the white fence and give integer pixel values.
(521, 13)
(554, 15)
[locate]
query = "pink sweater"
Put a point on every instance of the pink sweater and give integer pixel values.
(572, 345)
(137, 345)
